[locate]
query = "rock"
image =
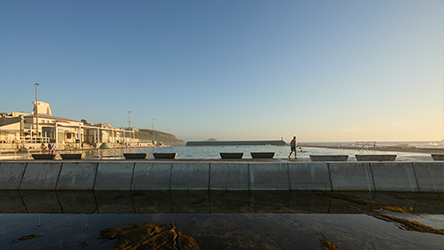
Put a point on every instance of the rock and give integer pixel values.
(25, 237)
(149, 236)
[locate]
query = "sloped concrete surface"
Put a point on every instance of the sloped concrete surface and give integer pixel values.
(430, 176)
(394, 176)
(190, 176)
(229, 176)
(114, 176)
(309, 176)
(247, 175)
(77, 176)
(265, 176)
(152, 176)
(11, 175)
(351, 177)
(41, 176)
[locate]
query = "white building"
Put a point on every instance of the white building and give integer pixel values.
(20, 131)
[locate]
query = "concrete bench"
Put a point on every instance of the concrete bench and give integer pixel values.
(135, 156)
(231, 155)
(375, 157)
(438, 157)
(71, 156)
(165, 155)
(43, 156)
(328, 157)
(262, 154)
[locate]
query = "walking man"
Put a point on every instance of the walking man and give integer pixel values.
(293, 145)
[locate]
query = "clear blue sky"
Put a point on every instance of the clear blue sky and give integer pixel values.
(324, 70)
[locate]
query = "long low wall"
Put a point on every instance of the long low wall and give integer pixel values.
(222, 175)
(236, 143)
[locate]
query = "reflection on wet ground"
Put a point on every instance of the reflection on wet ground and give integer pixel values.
(223, 220)
(408, 225)
(203, 202)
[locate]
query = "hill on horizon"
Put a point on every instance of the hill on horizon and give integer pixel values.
(159, 136)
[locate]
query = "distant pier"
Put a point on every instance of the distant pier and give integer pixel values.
(236, 143)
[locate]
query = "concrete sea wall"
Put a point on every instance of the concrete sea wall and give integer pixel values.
(222, 175)
(236, 143)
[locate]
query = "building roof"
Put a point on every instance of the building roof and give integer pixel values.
(51, 117)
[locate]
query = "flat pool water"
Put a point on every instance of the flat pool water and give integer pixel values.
(223, 220)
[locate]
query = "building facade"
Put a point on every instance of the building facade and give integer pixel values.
(22, 131)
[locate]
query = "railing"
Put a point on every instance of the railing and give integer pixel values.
(144, 141)
(23, 140)
(366, 145)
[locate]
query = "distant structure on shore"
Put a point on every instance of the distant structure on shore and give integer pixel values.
(236, 143)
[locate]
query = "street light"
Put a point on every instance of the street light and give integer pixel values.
(36, 111)
(129, 120)
(154, 143)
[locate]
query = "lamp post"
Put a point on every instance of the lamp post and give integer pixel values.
(129, 124)
(154, 143)
(36, 111)
(129, 120)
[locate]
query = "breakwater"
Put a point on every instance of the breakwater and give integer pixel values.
(236, 143)
(222, 175)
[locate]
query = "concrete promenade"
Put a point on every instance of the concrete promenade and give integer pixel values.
(274, 174)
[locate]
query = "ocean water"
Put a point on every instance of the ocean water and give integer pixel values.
(370, 144)
(213, 152)
(281, 152)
